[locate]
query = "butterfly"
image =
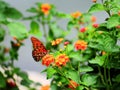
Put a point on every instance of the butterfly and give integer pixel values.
(39, 50)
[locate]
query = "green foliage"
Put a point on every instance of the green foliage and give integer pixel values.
(73, 75)
(18, 30)
(96, 7)
(50, 72)
(98, 60)
(114, 18)
(90, 67)
(89, 80)
(91, 60)
(86, 69)
(6, 11)
(35, 29)
(12, 13)
(2, 34)
(2, 80)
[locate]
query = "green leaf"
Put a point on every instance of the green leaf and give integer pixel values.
(50, 72)
(2, 17)
(32, 10)
(12, 13)
(113, 21)
(54, 87)
(86, 17)
(14, 53)
(63, 15)
(76, 56)
(73, 75)
(88, 79)
(117, 78)
(69, 48)
(17, 30)
(2, 34)
(98, 60)
(96, 7)
(25, 79)
(57, 31)
(25, 82)
(70, 25)
(115, 6)
(86, 69)
(3, 5)
(23, 75)
(2, 81)
(80, 87)
(51, 35)
(35, 29)
(104, 42)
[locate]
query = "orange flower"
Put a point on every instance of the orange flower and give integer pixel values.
(17, 44)
(45, 8)
(47, 59)
(119, 12)
(93, 19)
(80, 45)
(103, 52)
(76, 14)
(73, 85)
(14, 38)
(57, 41)
(118, 26)
(46, 87)
(61, 59)
(94, 1)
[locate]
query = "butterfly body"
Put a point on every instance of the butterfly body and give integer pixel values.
(39, 49)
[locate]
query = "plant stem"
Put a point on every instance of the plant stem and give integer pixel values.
(45, 31)
(62, 74)
(12, 63)
(105, 76)
(109, 78)
(79, 70)
(107, 7)
(101, 76)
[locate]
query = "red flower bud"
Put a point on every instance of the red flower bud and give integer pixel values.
(83, 29)
(66, 43)
(11, 82)
(95, 25)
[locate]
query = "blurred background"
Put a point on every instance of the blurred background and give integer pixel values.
(26, 61)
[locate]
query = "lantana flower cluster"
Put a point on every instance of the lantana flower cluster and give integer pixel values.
(59, 60)
(57, 41)
(72, 85)
(76, 14)
(80, 45)
(45, 8)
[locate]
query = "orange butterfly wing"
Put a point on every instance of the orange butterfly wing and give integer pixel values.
(39, 49)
